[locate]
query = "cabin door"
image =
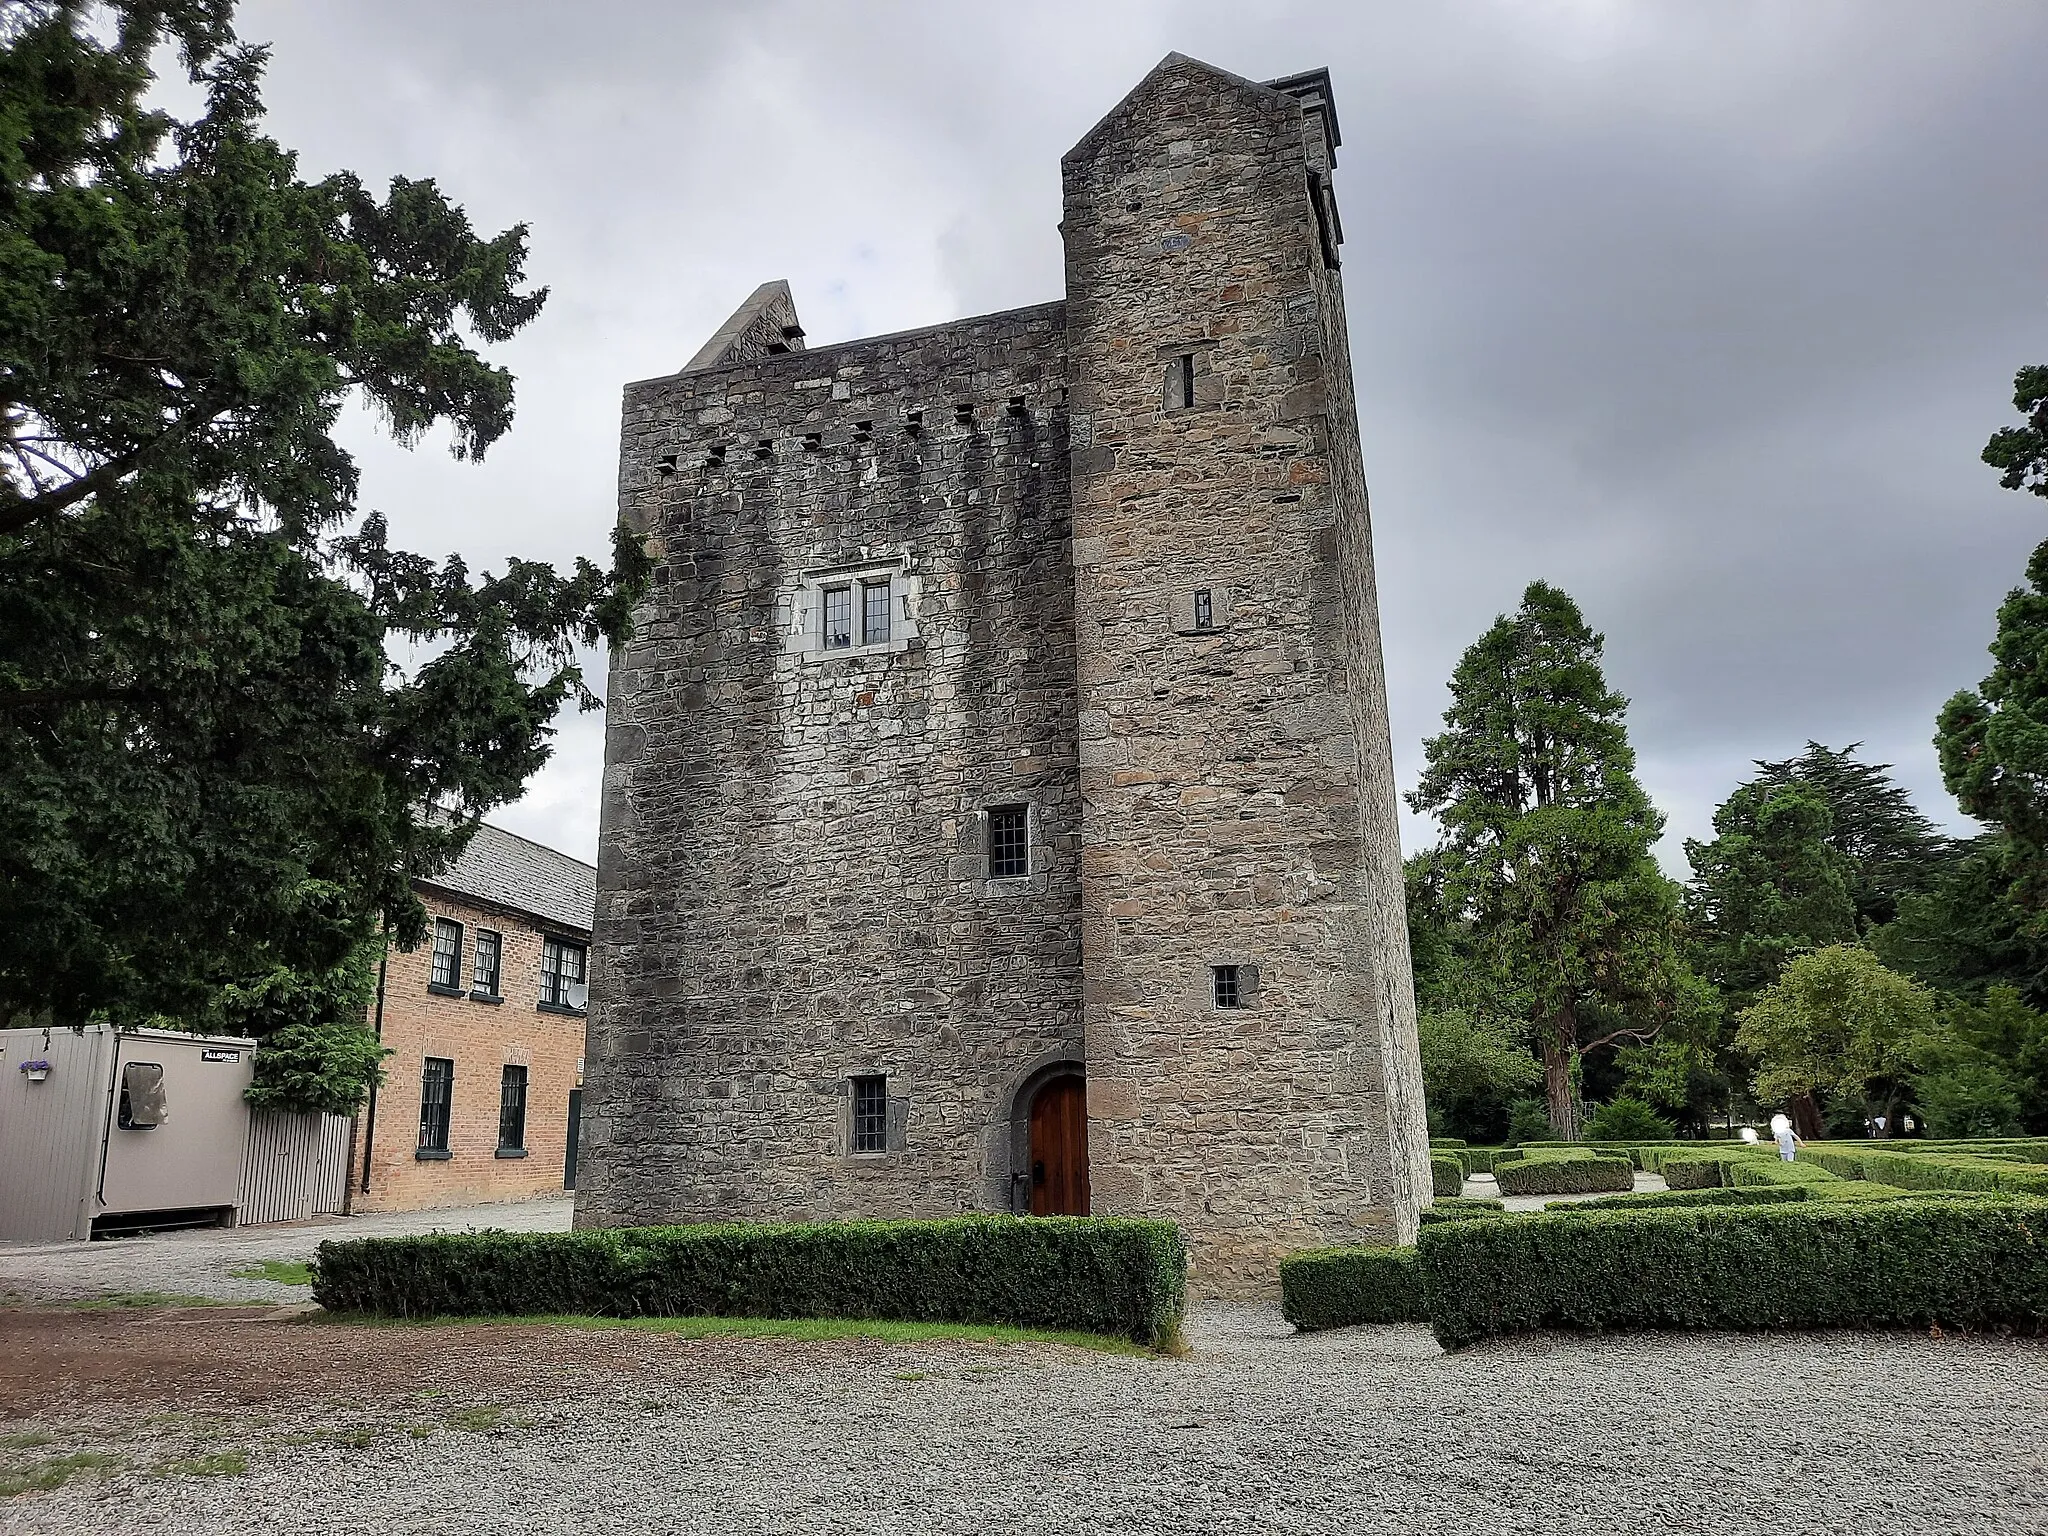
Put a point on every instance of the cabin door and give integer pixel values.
(1059, 1149)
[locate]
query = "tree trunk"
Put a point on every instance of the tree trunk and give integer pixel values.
(1559, 1092)
(1805, 1114)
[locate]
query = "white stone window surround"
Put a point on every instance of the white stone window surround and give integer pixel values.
(977, 863)
(800, 613)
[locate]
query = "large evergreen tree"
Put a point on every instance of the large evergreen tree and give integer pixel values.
(1994, 742)
(1768, 886)
(210, 774)
(1890, 850)
(1545, 862)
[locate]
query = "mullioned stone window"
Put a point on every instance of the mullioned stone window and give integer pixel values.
(852, 610)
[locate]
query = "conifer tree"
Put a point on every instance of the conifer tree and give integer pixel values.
(1546, 858)
(211, 777)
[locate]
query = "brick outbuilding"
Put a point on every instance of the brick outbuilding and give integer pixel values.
(485, 1020)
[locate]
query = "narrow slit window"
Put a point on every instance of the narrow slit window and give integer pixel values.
(1205, 609)
(1187, 379)
(1009, 845)
(512, 1110)
(437, 1091)
(1224, 979)
(484, 974)
(838, 618)
(871, 1114)
(874, 621)
(447, 953)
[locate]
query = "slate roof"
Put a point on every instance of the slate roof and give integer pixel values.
(509, 871)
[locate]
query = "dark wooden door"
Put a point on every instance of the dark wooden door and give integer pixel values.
(575, 1134)
(1059, 1149)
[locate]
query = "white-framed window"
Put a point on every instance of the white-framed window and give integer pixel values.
(489, 951)
(447, 970)
(851, 611)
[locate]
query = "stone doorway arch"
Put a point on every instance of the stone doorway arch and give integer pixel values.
(1048, 1126)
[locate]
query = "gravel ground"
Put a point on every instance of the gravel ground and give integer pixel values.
(201, 1263)
(1483, 1186)
(1365, 1430)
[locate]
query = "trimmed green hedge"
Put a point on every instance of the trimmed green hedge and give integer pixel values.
(1810, 1264)
(1462, 1210)
(1086, 1274)
(1653, 1199)
(1342, 1287)
(1569, 1173)
(1446, 1174)
(1931, 1170)
(1770, 1169)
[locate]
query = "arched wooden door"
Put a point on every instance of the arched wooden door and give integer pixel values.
(1059, 1149)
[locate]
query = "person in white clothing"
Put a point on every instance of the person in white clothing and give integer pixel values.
(1788, 1139)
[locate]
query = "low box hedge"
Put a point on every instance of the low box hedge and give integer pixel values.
(1446, 1174)
(1653, 1199)
(1770, 1169)
(1931, 1170)
(1462, 1210)
(1084, 1274)
(1343, 1287)
(1806, 1264)
(1565, 1173)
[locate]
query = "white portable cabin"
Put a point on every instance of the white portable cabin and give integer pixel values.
(102, 1127)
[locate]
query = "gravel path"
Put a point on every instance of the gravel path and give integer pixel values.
(1363, 1431)
(201, 1263)
(1483, 1186)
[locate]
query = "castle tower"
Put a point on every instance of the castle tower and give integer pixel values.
(998, 810)
(1247, 1002)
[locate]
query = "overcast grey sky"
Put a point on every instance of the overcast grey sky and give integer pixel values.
(1702, 311)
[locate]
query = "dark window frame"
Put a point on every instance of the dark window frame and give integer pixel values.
(840, 639)
(869, 1114)
(1226, 985)
(870, 588)
(492, 988)
(555, 981)
(436, 1111)
(512, 1110)
(1205, 607)
(1009, 841)
(449, 982)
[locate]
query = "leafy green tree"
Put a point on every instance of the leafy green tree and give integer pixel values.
(2021, 453)
(1984, 1061)
(1966, 934)
(1472, 1070)
(1545, 863)
(1890, 850)
(1628, 1119)
(209, 770)
(1767, 887)
(1969, 1098)
(1994, 742)
(1837, 1023)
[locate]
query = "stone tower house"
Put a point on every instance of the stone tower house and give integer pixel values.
(999, 808)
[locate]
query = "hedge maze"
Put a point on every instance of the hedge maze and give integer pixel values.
(1849, 1235)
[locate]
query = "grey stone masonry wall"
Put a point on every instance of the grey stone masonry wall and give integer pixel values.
(1236, 782)
(792, 884)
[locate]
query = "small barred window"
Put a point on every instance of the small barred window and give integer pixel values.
(1225, 980)
(1009, 845)
(871, 1114)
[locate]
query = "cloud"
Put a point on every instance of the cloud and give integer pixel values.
(1701, 312)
